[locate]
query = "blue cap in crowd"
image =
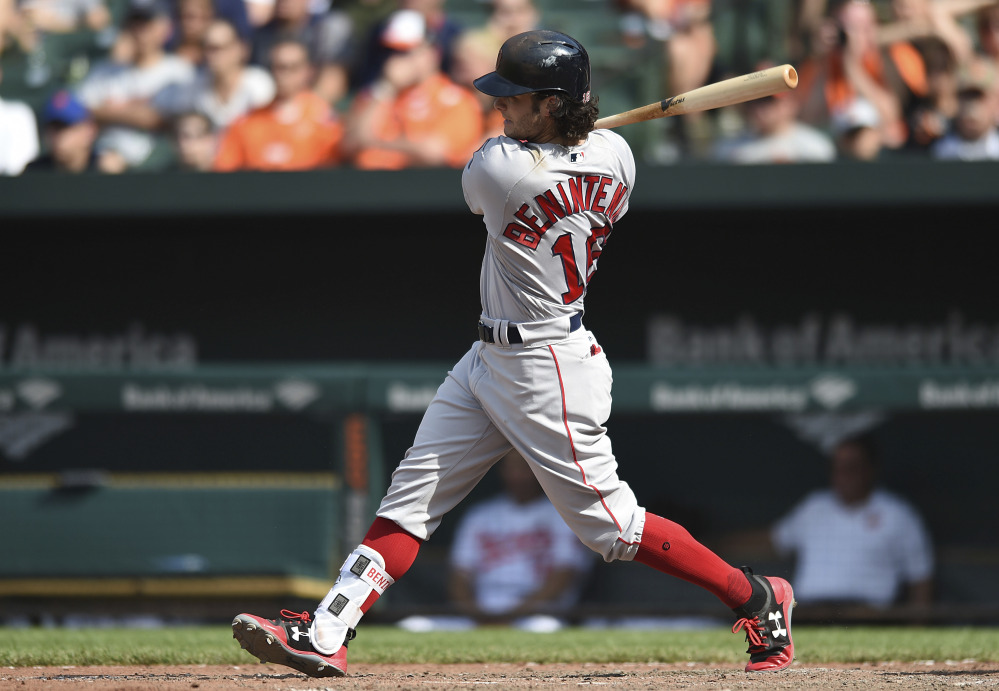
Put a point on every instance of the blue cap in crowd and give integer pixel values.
(65, 109)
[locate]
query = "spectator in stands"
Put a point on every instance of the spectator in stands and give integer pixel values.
(442, 31)
(773, 134)
(929, 120)
(196, 141)
(475, 55)
(298, 130)
(413, 115)
(66, 16)
(808, 24)
(513, 560)
(513, 556)
(475, 52)
(328, 37)
(973, 135)
(69, 133)
(118, 94)
(510, 17)
(852, 62)
(685, 29)
(750, 31)
(192, 21)
(10, 22)
(258, 13)
(226, 88)
(923, 21)
(857, 131)
(855, 542)
(18, 136)
(987, 33)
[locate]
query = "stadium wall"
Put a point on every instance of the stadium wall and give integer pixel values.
(836, 276)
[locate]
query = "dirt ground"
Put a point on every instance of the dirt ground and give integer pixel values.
(690, 676)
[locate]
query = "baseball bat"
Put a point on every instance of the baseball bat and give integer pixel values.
(727, 92)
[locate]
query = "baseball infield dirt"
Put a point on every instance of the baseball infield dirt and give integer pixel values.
(691, 676)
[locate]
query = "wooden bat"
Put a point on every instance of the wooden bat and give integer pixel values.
(728, 92)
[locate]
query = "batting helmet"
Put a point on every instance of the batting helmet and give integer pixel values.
(539, 61)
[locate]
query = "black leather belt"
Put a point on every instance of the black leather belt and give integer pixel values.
(513, 335)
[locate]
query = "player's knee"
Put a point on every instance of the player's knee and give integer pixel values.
(611, 547)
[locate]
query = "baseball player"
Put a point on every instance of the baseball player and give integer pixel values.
(550, 192)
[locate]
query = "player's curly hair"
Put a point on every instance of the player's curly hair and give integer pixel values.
(573, 120)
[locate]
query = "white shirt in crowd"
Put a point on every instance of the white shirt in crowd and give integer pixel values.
(863, 553)
(800, 143)
(951, 147)
(72, 12)
(111, 82)
(18, 137)
(510, 549)
(255, 89)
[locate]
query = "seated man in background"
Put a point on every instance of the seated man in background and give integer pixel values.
(856, 543)
(69, 134)
(328, 36)
(973, 134)
(514, 560)
(298, 130)
(774, 134)
(413, 115)
(226, 88)
(118, 94)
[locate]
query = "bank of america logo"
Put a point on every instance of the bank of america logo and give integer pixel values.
(832, 390)
(38, 393)
(296, 394)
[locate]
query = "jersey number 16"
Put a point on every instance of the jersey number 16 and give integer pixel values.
(574, 281)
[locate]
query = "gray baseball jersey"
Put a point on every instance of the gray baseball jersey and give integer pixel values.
(536, 380)
(548, 212)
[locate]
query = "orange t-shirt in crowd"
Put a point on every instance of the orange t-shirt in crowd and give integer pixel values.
(436, 108)
(837, 90)
(493, 126)
(299, 135)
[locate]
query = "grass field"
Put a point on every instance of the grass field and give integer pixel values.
(213, 645)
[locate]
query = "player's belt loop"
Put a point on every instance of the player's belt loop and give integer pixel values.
(503, 331)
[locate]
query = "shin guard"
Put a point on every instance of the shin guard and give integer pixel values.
(362, 578)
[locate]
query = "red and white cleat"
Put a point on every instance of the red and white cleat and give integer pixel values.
(768, 629)
(287, 641)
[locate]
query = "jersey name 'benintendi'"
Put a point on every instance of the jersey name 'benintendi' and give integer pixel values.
(572, 196)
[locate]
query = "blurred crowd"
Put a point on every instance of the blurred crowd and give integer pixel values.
(221, 85)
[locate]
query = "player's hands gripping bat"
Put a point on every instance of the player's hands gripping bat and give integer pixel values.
(728, 92)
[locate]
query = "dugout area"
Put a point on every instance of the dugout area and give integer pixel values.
(204, 383)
